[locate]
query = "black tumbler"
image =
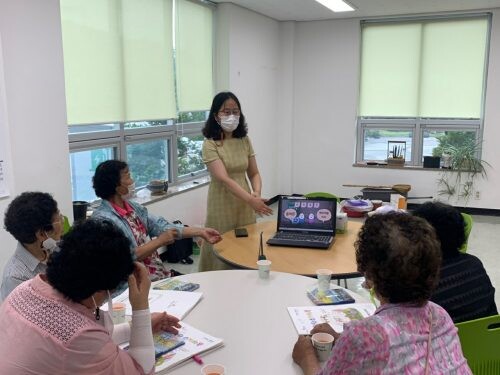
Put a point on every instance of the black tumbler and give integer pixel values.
(80, 210)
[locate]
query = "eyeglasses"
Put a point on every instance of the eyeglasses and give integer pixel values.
(229, 112)
(60, 219)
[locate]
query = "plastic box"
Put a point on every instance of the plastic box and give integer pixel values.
(379, 194)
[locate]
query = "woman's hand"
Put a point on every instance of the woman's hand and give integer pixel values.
(164, 322)
(168, 237)
(210, 235)
(325, 328)
(305, 356)
(138, 287)
(259, 205)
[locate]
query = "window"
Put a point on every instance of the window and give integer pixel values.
(422, 82)
(139, 81)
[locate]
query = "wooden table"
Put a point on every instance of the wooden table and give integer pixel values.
(242, 252)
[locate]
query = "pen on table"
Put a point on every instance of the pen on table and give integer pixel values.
(197, 359)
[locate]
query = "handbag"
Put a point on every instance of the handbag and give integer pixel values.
(179, 251)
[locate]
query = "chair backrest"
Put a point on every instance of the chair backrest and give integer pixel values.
(320, 194)
(480, 341)
(468, 227)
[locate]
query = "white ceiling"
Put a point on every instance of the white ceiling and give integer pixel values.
(309, 10)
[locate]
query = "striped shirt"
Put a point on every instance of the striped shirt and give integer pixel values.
(21, 266)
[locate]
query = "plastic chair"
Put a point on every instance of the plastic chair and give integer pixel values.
(66, 225)
(319, 194)
(480, 341)
(468, 227)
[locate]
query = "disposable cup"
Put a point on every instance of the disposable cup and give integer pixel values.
(324, 276)
(118, 313)
(264, 268)
(323, 343)
(213, 370)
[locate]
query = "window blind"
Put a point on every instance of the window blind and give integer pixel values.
(428, 68)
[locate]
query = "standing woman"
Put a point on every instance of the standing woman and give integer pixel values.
(230, 159)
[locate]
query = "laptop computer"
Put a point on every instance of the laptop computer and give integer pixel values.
(305, 222)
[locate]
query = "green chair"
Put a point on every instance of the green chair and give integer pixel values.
(319, 194)
(66, 225)
(480, 341)
(468, 227)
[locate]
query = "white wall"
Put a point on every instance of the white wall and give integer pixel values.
(35, 108)
(326, 79)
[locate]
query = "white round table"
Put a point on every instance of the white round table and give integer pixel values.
(250, 315)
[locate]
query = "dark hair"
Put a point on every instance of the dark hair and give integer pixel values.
(93, 256)
(107, 178)
(28, 213)
(448, 223)
(400, 254)
(212, 130)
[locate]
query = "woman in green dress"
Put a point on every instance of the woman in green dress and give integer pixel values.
(227, 151)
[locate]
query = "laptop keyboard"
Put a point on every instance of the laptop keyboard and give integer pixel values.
(301, 237)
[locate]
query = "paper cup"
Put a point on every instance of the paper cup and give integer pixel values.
(264, 267)
(118, 313)
(323, 343)
(213, 370)
(324, 276)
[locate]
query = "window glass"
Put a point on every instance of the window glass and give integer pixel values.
(376, 143)
(436, 140)
(148, 160)
(83, 164)
(189, 154)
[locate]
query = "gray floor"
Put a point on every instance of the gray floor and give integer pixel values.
(484, 242)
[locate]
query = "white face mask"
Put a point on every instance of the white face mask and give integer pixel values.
(104, 317)
(229, 123)
(49, 245)
(131, 192)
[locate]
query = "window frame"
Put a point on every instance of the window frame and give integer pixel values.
(419, 124)
(188, 129)
(416, 126)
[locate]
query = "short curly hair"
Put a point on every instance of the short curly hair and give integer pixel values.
(448, 223)
(212, 130)
(28, 213)
(107, 178)
(400, 254)
(93, 256)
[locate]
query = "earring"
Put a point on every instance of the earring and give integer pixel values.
(97, 311)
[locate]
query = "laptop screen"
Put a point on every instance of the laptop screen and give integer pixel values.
(307, 214)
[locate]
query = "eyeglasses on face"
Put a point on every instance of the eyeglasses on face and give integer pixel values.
(229, 112)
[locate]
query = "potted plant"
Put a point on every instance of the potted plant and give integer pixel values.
(465, 167)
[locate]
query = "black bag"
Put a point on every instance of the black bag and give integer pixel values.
(179, 250)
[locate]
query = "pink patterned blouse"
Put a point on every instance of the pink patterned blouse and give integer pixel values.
(44, 333)
(394, 341)
(153, 263)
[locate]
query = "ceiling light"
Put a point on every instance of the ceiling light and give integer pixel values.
(336, 5)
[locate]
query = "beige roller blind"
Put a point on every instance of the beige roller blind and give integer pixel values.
(118, 60)
(453, 68)
(148, 59)
(193, 51)
(390, 70)
(431, 68)
(92, 60)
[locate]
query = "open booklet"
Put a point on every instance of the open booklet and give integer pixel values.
(175, 303)
(195, 342)
(306, 317)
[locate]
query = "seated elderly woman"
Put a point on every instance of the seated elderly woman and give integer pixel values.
(51, 324)
(113, 183)
(399, 255)
(464, 289)
(35, 222)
